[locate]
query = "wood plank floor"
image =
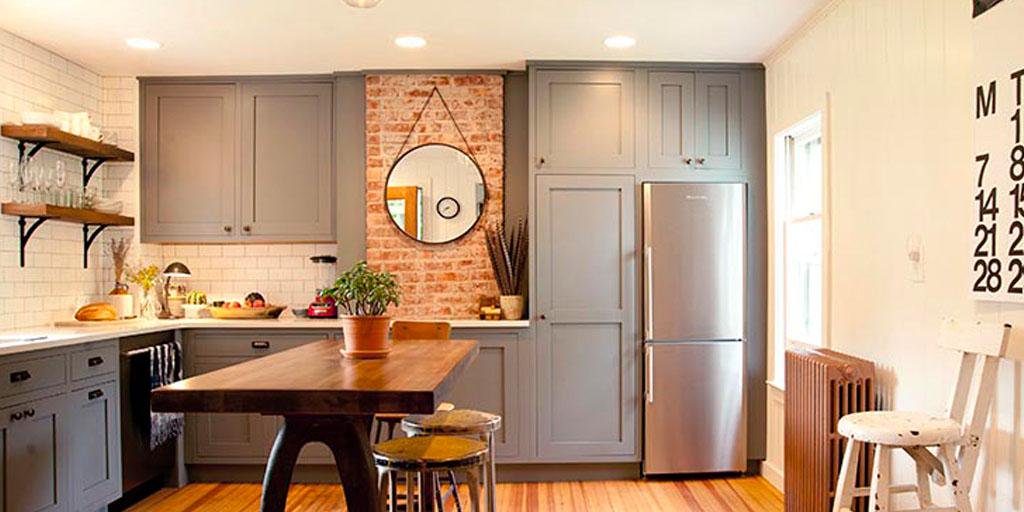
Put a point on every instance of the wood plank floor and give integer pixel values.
(749, 494)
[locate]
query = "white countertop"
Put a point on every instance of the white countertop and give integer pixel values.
(13, 341)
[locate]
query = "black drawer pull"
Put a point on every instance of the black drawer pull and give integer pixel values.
(261, 344)
(16, 416)
(20, 376)
(95, 361)
(96, 393)
(30, 413)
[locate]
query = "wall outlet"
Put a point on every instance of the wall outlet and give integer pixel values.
(915, 259)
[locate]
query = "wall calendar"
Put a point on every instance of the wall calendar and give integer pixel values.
(997, 261)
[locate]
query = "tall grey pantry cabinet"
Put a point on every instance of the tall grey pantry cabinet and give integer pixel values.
(586, 349)
(597, 131)
(245, 161)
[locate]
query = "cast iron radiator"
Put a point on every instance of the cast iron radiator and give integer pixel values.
(821, 387)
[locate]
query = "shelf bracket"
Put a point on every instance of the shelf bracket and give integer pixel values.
(25, 153)
(26, 234)
(88, 171)
(88, 239)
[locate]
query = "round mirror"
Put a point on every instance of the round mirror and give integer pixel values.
(435, 193)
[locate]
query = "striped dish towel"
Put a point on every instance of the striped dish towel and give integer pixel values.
(165, 367)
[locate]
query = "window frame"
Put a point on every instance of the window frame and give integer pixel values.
(786, 141)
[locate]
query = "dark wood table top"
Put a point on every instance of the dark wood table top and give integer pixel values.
(316, 379)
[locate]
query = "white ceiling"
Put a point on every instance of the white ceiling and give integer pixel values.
(317, 36)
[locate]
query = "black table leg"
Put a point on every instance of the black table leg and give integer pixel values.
(348, 438)
(289, 442)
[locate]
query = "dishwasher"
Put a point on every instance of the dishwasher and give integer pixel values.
(142, 470)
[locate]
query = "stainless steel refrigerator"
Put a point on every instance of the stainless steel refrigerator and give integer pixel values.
(694, 247)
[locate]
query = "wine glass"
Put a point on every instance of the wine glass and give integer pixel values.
(62, 186)
(38, 190)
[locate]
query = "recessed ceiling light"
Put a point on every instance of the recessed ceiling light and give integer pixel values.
(619, 42)
(410, 41)
(142, 43)
(363, 4)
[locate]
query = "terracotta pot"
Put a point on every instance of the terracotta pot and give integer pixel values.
(366, 337)
(511, 306)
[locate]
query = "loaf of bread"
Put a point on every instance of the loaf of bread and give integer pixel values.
(95, 312)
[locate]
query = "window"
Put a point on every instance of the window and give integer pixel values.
(800, 229)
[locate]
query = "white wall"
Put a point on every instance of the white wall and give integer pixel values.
(898, 73)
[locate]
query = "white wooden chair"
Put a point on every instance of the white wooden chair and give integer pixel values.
(956, 437)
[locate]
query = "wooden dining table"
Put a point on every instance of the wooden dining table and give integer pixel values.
(327, 398)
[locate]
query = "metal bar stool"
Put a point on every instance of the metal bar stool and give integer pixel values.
(423, 459)
(461, 422)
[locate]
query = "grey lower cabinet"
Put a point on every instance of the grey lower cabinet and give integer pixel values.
(238, 438)
(34, 454)
(493, 384)
(585, 119)
(95, 446)
(244, 161)
(586, 344)
(60, 430)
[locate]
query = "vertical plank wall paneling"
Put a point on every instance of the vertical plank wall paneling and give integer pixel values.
(898, 74)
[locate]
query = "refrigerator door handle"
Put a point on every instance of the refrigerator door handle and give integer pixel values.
(648, 292)
(650, 375)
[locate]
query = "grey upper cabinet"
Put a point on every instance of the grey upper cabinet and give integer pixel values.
(33, 470)
(586, 344)
(671, 120)
(189, 162)
(95, 446)
(238, 162)
(287, 183)
(718, 143)
(585, 119)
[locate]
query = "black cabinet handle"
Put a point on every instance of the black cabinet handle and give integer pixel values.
(20, 376)
(95, 361)
(261, 344)
(543, 317)
(16, 416)
(96, 393)
(30, 413)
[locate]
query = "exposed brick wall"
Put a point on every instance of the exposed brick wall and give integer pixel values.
(447, 280)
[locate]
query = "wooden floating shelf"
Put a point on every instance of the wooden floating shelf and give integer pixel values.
(61, 213)
(54, 138)
(40, 213)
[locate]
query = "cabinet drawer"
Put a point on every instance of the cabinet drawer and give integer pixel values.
(246, 344)
(93, 362)
(25, 376)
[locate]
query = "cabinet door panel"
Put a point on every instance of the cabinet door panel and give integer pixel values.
(585, 119)
(670, 119)
(491, 384)
(219, 438)
(287, 178)
(189, 165)
(718, 120)
(33, 467)
(586, 344)
(95, 447)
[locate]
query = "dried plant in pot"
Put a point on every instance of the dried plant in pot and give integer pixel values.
(508, 259)
(365, 295)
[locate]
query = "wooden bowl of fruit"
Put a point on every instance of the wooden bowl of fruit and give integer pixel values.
(254, 307)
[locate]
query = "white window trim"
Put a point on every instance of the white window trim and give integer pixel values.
(780, 190)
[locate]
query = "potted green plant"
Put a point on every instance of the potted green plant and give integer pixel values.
(365, 295)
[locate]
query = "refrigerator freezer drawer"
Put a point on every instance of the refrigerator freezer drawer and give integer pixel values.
(695, 417)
